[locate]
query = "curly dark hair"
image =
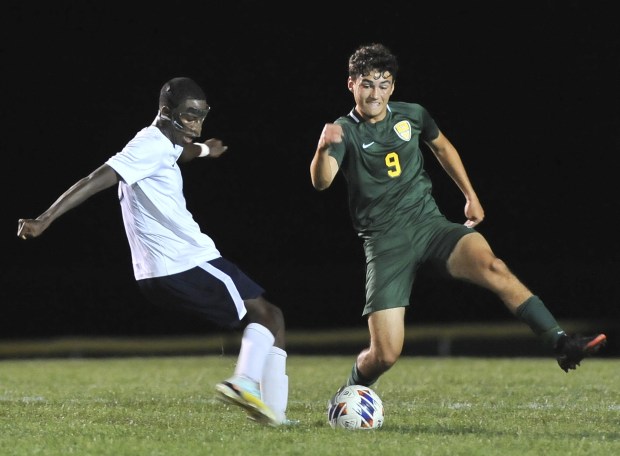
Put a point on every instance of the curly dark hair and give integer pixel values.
(369, 57)
(176, 90)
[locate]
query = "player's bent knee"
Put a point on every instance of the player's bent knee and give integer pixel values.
(263, 312)
(497, 266)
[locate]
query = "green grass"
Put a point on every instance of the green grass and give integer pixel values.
(434, 406)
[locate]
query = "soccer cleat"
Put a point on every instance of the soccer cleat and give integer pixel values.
(572, 349)
(245, 393)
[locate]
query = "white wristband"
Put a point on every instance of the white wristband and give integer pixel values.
(204, 149)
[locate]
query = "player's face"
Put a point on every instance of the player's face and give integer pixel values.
(372, 93)
(187, 119)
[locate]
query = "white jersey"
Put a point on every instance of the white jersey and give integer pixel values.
(163, 236)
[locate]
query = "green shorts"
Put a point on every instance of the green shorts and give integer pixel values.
(392, 260)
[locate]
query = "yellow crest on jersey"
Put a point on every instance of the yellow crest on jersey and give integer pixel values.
(403, 130)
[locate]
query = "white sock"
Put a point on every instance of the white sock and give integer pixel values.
(255, 345)
(274, 384)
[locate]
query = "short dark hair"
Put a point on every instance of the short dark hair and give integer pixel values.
(369, 57)
(176, 90)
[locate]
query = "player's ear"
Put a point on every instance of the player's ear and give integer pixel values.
(164, 113)
(350, 84)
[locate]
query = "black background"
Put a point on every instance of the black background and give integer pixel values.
(528, 93)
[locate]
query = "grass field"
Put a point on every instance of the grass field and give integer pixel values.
(434, 406)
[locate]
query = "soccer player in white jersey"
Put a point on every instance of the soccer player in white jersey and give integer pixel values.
(175, 264)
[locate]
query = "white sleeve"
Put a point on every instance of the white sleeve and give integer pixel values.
(140, 158)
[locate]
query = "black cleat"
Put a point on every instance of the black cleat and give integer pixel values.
(572, 349)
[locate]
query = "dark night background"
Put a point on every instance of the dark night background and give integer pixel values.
(527, 91)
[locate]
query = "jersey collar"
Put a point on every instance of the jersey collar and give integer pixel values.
(357, 118)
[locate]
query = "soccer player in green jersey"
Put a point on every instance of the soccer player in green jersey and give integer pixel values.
(377, 148)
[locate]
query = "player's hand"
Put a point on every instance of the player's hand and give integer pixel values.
(474, 213)
(30, 228)
(216, 147)
(332, 133)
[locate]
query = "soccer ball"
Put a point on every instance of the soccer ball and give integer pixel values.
(355, 407)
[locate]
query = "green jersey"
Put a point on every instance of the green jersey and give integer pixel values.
(384, 168)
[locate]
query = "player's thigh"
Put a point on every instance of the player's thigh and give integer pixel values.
(470, 258)
(391, 264)
(387, 330)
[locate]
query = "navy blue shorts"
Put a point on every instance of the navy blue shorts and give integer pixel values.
(215, 289)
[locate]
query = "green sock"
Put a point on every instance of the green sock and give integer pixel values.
(534, 313)
(355, 378)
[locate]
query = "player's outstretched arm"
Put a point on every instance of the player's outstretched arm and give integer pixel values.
(211, 148)
(100, 179)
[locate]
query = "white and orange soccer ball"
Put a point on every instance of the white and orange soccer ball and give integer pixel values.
(355, 407)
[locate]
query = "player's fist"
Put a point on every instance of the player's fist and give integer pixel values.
(332, 133)
(30, 228)
(216, 147)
